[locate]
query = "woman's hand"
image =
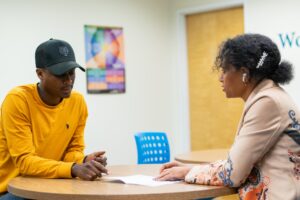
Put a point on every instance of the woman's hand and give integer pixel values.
(173, 171)
(170, 165)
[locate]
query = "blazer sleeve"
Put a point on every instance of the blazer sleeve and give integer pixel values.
(259, 131)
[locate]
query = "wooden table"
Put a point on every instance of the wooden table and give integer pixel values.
(203, 156)
(76, 189)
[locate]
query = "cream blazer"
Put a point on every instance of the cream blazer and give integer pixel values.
(264, 161)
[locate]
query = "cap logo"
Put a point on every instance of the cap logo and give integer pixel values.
(63, 50)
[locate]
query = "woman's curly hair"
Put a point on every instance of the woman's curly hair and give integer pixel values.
(259, 54)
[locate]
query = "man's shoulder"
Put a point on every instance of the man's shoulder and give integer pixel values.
(76, 94)
(23, 90)
(19, 95)
(76, 97)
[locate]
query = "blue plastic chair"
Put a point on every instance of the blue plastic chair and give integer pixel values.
(152, 147)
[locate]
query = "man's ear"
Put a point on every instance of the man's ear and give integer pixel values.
(39, 73)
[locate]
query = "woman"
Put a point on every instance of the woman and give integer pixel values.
(264, 161)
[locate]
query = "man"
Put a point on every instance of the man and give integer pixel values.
(42, 125)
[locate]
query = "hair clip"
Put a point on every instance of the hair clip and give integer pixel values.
(261, 60)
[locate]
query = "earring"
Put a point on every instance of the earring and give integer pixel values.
(244, 77)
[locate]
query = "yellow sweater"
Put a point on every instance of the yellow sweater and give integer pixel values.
(37, 139)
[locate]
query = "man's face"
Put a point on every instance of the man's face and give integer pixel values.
(58, 86)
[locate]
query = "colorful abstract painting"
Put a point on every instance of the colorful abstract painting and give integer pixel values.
(104, 52)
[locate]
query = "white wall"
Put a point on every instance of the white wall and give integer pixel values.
(196, 6)
(113, 118)
(278, 19)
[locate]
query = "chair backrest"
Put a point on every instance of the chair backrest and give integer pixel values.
(152, 147)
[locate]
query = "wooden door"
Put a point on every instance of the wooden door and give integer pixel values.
(213, 117)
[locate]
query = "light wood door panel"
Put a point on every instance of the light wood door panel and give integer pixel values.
(213, 118)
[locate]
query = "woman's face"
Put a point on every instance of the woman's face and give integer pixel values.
(232, 83)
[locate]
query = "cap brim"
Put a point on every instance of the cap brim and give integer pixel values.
(62, 68)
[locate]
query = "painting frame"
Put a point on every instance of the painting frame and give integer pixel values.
(105, 60)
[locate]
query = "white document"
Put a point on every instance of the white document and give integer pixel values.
(138, 180)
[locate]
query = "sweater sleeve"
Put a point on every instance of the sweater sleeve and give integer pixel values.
(259, 131)
(74, 152)
(17, 129)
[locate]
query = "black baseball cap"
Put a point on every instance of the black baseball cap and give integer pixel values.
(57, 56)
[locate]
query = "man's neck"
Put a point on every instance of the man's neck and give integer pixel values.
(46, 98)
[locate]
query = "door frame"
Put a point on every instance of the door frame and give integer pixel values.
(182, 66)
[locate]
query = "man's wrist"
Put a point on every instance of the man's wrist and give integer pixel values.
(84, 159)
(72, 171)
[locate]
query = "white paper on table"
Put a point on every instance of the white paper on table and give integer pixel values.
(138, 180)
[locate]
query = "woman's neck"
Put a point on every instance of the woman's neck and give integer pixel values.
(249, 88)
